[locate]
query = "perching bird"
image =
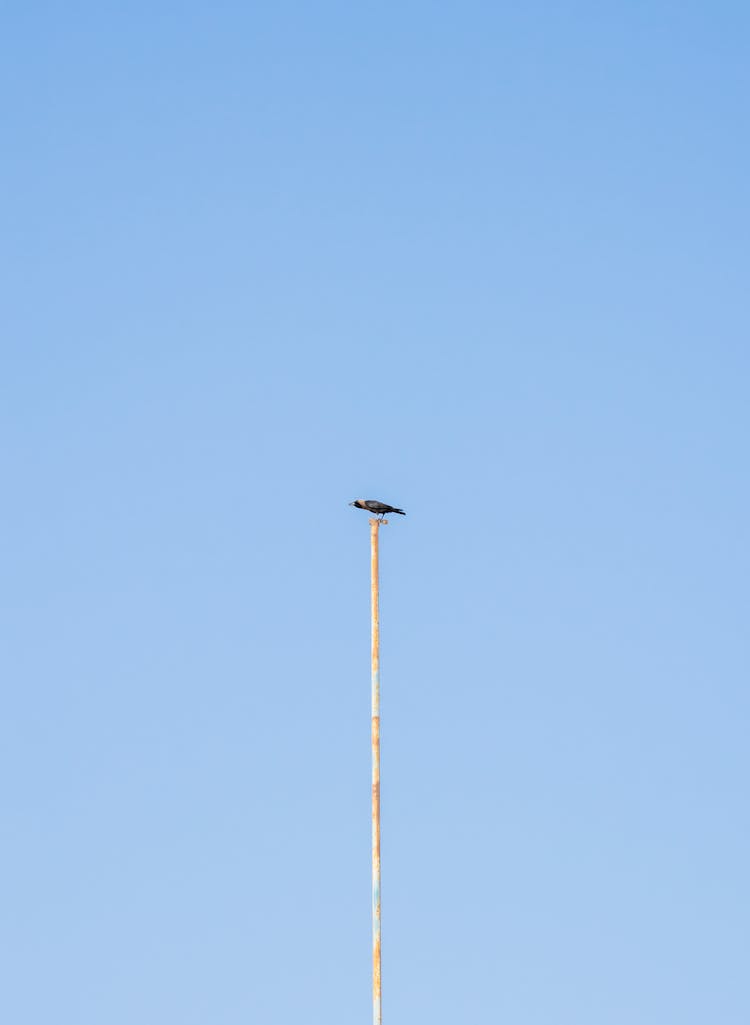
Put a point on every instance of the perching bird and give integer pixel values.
(379, 508)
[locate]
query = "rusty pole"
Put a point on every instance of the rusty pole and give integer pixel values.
(377, 1012)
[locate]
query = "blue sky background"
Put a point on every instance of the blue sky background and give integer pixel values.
(488, 262)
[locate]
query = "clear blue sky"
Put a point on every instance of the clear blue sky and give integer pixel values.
(487, 262)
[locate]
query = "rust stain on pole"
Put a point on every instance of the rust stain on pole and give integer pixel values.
(377, 1013)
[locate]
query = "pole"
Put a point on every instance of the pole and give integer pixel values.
(377, 1012)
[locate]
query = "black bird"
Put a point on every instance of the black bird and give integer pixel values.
(379, 508)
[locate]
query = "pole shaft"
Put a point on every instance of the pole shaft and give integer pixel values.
(377, 1013)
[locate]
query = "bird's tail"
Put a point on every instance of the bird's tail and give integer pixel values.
(399, 511)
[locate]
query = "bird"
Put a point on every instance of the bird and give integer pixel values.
(379, 508)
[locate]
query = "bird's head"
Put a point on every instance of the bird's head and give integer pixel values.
(357, 503)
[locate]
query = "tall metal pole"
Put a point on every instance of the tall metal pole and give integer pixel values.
(377, 1012)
